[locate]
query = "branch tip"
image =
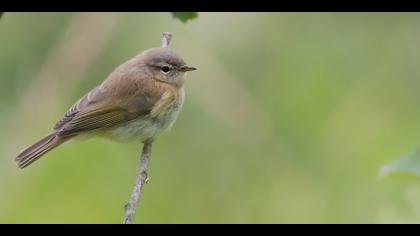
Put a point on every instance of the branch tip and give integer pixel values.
(166, 39)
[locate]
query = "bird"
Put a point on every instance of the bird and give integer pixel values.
(137, 101)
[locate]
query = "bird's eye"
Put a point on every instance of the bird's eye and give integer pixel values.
(165, 69)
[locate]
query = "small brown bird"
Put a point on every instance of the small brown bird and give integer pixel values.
(138, 100)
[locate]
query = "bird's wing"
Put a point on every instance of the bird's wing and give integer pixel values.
(96, 118)
(103, 109)
(91, 98)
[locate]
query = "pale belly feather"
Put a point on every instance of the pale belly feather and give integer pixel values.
(147, 127)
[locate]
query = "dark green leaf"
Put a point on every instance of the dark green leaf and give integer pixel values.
(406, 166)
(185, 16)
(1, 14)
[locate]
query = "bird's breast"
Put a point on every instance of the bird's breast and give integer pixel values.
(162, 116)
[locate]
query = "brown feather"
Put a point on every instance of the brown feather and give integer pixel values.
(35, 151)
(92, 97)
(86, 121)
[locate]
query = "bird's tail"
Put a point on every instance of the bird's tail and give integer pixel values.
(37, 150)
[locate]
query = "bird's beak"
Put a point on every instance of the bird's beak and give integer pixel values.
(186, 68)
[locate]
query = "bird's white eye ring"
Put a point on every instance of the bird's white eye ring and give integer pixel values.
(165, 69)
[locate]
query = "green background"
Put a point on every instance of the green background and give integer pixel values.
(288, 118)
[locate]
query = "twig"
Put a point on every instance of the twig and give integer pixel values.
(142, 177)
(166, 39)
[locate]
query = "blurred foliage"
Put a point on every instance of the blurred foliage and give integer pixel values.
(287, 120)
(408, 165)
(185, 16)
(1, 14)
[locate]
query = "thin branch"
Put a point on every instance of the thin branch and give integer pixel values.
(166, 39)
(142, 177)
